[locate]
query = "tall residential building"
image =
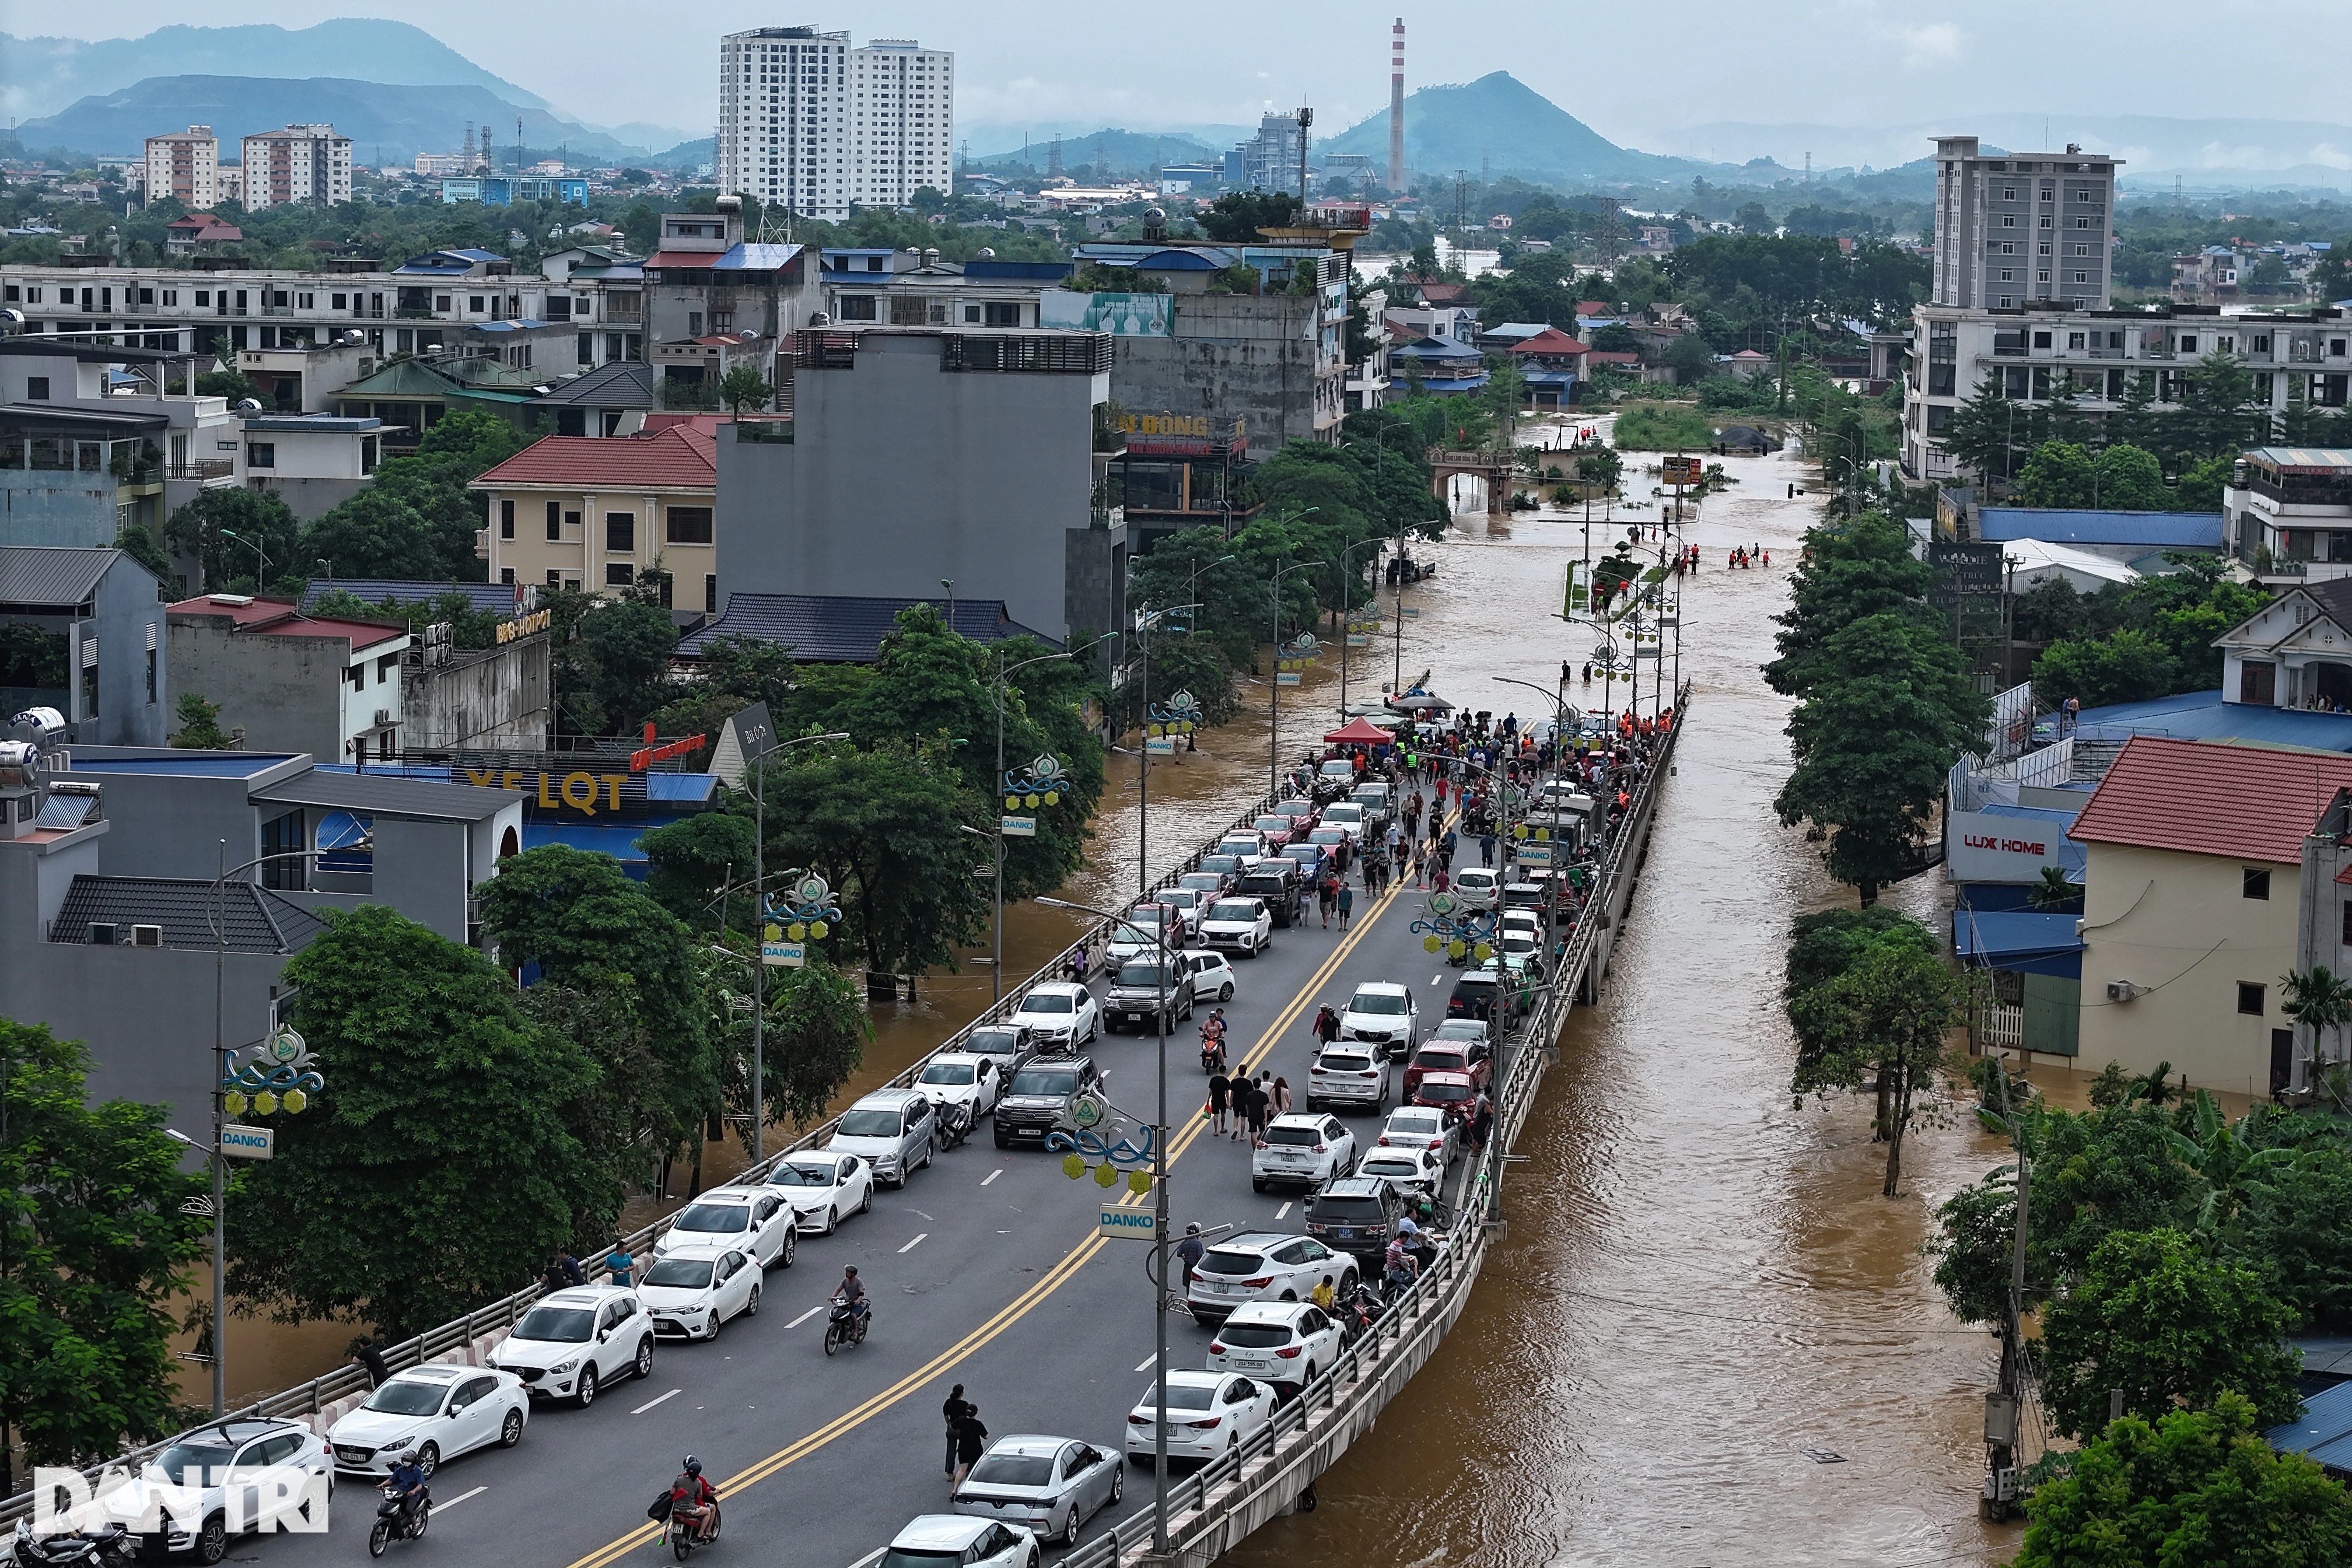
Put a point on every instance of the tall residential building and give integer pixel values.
(306, 163)
(185, 165)
(809, 122)
(2025, 226)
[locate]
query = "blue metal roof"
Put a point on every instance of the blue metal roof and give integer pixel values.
(694, 789)
(2052, 525)
(2204, 716)
(204, 765)
(1018, 269)
(2324, 1434)
(756, 258)
(324, 424)
(2017, 939)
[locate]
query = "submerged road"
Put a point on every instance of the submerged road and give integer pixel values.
(984, 1269)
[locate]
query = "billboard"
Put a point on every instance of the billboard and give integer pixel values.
(1979, 846)
(1120, 315)
(1969, 571)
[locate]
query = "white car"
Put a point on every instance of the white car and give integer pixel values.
(1211, 973)
(572, 1343)
(1422, 1128)
(1406, 1170)
(1348, 1075)
(1138, 935)
(690, 1295)
(1478, 886)
(1187, 904)
(1524, 946)
(1261, 1266)
(1243, 924)
(437, 1409)
(823, 1187)
(1245, 844)
(1382, 1013)
(1060, 1015)
(203, 1461)
(973, 1082)
(1307, 1148)
(756, 1219)
(943, 1540)
(1208, 1414)
(1344, 813)
(1286, 1343)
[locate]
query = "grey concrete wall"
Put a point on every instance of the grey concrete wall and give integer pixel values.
(311, 500)
(500, 700)
(287, 692)
(127, 612)
(1095, 583)
(901, 474)
(161, 825)
(45, 506)
(1252, 357)
(420, 871)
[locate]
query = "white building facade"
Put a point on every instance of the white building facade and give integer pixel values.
(306, 163)
(808, 123)
(186, 164)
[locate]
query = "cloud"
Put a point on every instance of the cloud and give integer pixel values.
(1917, 44)
(2328, 156)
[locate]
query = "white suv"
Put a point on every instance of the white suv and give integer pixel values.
(1382, 1014)
(572, 1343)
(1350, 1074)
(202, 1462)
(1261, 1266)
(1307, 1148)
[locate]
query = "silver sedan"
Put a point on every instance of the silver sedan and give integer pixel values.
(1049, 1485)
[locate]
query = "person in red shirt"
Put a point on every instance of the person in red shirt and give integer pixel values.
(695, 1498)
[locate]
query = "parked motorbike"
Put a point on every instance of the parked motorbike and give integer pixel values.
(955, 1124)
(392, 1523)
(1357, 1312)
(112, 1547)
(845, 1327)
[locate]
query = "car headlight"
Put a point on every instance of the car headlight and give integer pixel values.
(559, 1369)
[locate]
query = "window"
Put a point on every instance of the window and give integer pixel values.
(2261, 344)
(2042, 340)
(2008, 192)
(2188, 343)
(506, 575)
(506, 519)
(2256, 883)
(2008, 275)
(2225, 346)
(385, 666)
(621, 532)
(554, 521)
(554, 578)
(710, 607)
(37, 388)
(1003, 313)
(2347, 923)
(2009, 220)
(261, 454)
(2082, 278)
(358, 677)
(2250, 998)
(2082, 223)
(689, 525)
(284, 835)
(474, 304)
(2074, 340)
(619, 574)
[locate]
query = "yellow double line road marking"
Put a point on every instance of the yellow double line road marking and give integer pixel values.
(1052, 1280)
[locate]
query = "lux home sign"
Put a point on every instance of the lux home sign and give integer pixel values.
(1983, 847)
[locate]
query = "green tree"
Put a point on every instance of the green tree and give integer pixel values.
(1881, 1024)
(2319, 1000)
(221, 528)
(1860, 568)
(744, 388)
(233, 384)
(1983, 431)
(93, 1250)
(2201, 484)
(1690, 359)
(199, 724)
(2158, 1318)
(816, 1032)
(731, 674)
(139, 543)
(2130, 479)
(2196, 1487)
(2130, 666)
(440, 1093)
(416, 522)
(1236, 216)
(2059, 474)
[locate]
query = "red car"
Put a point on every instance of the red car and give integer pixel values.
(1452, 1093)
(1302, 808)
(1470, 1060)
(1279, 830)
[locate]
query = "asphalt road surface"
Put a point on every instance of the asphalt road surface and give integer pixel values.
(985, 1270)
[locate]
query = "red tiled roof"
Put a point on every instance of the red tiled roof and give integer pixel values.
(280, 616)
(1551, 341)
(704, 258)
(1593, 308)
(681, 458)
(2246, 803)
(1441, 293)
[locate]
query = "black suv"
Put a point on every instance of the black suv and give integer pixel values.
(1038, 1098)
(1481, 995)
(1278, 883)
(1355, 1214)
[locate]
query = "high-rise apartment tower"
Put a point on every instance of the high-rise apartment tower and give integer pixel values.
(808, 123)
(2021, 227)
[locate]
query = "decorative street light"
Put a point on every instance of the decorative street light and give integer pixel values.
(1044, 768)
(754, 761)
(1274, 712)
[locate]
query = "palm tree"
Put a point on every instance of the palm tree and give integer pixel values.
(2318, 999)
(2054, 893)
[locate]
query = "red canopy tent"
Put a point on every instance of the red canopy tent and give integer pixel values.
(1359, 733)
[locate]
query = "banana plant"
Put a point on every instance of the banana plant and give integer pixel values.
(2229, 1160)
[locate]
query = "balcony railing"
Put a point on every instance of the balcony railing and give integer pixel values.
(415, 313)
(202, 469)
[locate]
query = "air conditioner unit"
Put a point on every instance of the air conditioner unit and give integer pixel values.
(384, 717)
(146, 936)
(2123, 990)
(103, 933)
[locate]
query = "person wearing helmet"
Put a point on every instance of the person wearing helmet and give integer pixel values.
(407, 1484)
(853, 1290)
(691, 1496)
(1189, 1251)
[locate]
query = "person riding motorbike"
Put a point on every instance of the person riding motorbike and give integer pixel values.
(691, 1496)
(1213, 1041)
(407, 1484)
(853, 1290)
(1399, 1267)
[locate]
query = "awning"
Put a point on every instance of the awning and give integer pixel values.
(2025, 940)
(1357, 732)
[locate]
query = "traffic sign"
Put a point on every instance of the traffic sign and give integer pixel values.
(1159, 745)
(1020, 828)
(1285, 678)
(783, 954)
(1357, 639)
(241, 1143)
(1129, 1223)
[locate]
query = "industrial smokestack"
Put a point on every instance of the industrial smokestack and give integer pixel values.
(1396, 109)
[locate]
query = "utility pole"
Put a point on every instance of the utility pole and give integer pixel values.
(2003, 1409)
(1306, 118)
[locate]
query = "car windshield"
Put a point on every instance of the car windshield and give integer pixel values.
(681, 1273)
(1183, 1397)
(1518, 941)
(1272, 825)
(1220, 865)
(1014, 1470)
(1238, 847)
(186, 1463)
(948, 1073)
(992, 1042)
(1378, 1002)
(1140, 935)
(723, 1218)
(1047, 1002)
(1233, 909)
(1201, 881)
(403, 1397)
(803, 1175)
(565, 1325)
(1145, 975)
(916, 1557)
(1254, 1336)
(1352, 1211)
(1302, 1135)
(1347, 811)
(1482, 879)
(1461, 1029)
(867, 1124)
(1180, 898)
(1444, 1059)
(1034, 1081)
(1432, 1089)
(1223, 1260)
(1147, 918)
(1328, 836)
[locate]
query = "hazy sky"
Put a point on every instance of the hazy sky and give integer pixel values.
(1633, 74)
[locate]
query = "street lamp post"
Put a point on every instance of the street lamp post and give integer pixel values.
(1004, 669)
(760, 935)
(1274, 712)
(1159, 1240)
(1348, 608)
(1560, 719)
(261, 556)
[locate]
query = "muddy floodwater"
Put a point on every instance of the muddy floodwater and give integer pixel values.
(1706, 1339)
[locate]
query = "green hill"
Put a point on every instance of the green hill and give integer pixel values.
(1500, 123)
(1122, 152)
